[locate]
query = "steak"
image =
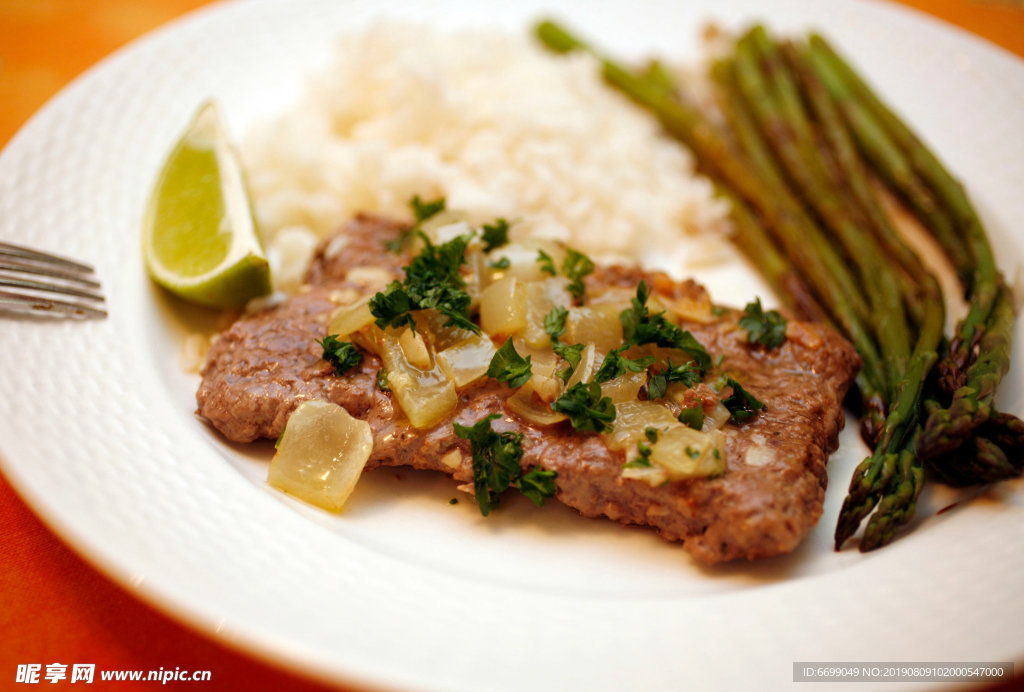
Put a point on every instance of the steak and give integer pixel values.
(770, 496)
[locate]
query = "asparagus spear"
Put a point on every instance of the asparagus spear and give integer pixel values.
(755, 243)
(972, 404)
(870, 381)
(902, 426)
(917, 284)
(979, 355)
(890, 480)
(772, 95)
(899, 500)
(972, 254)
(887, 158)
(824, 269)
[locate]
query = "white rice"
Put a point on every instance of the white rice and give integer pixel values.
(491, 122)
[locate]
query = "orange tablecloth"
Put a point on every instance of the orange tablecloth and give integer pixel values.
(54, 607)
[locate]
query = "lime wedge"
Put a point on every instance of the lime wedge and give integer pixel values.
(199, 238)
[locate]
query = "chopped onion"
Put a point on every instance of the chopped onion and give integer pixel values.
(468, 360)
(652, 475)
(594, 324)
(625, 387)
(436, 331)
(525, 403)
(321, 454)
(695, 309)
(350, 318)
(522, 259)
(503, 307)
(415, 349)
(543, 364)
(426, 396)
(589, 362)
(541, 297)
(632, 418)
(446, 225)
(716, 417)
(687, 453)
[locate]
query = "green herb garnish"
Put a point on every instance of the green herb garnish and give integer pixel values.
(538, 484)
(547, 264)
(765, 328)
(742, 404)
(432, 280)
(554, 325)
(342, 355)
(639, 326)
(495, 236)
(571, 354)
(586, 408)
(575, 266)
(503, 263)
(510, 367)
(693, 416)
(687, 373)
(382, 380)
(496, 467)
(421, 211)
(616, 364)
(643, 460)
(554, 322)
(424, 210)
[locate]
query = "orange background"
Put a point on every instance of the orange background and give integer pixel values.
(53, 606)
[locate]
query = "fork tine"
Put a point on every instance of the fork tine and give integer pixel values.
(49, 288)
(25, 304)
(12, 250)
(24, 267)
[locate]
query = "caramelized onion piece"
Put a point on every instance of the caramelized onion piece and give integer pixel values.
(425, 395)
(468, 360)
(321, 454)
(348, 319)
(503, 307)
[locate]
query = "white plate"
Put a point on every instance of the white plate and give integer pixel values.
(405, 590)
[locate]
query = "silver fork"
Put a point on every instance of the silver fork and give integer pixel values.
(40, 283)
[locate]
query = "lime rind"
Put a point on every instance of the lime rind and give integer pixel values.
(199, 202)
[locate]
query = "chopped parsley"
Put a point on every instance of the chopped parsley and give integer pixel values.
(554, 325)
(572, 355)
(693, 416)
(509, 367)
(765, 328)
(342, 355)
(742, 404)
(587, 410)
(538, 484)
(432, 280)
(382, 380)
(616, 364)
(496, 467)
(421, 211)
(554, 322)
(687, 373)
(575, 266)
(503, 263)
(547, 264)
(424, 210)
(639, 326)
(495, 236)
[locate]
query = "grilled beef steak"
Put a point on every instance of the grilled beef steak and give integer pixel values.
(769, 497)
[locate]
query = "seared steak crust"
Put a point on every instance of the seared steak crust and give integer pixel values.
(771, 495)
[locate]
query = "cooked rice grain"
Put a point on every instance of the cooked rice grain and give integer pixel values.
(493, 123)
